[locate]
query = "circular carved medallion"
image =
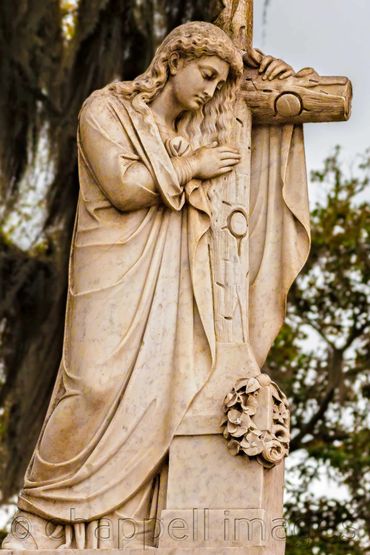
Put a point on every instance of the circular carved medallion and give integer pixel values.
(238, 224)
(288, 105)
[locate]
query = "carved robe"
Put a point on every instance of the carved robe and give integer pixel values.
(139, 337)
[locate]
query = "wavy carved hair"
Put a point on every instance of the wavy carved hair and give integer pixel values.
(191, 40)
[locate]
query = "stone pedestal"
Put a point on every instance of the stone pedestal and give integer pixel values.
(149, 550)
(216, 501)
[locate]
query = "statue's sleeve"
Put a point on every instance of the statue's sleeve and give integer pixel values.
(107, 151)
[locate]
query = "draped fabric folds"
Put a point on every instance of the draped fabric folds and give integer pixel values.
(139, 335)
(279, 228)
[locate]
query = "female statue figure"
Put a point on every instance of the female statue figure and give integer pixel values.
(139, 336)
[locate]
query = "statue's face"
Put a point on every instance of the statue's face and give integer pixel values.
(194, 83)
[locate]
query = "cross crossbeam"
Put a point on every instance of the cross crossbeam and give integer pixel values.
(303, 97)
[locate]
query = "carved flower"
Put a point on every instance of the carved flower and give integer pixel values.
(253, 443)
(269, 446)
(242, 382)
(267, 436)
(264, 379)
(269, 440)
(234, 416)
(178, 146)
(280, 413)
(249, 403)
(274, 452)
(249, 385)
(231, 399)
(278, 394)
(234, 447)
(238, 423)
(281, 433)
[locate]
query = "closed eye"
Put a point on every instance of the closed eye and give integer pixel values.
(209, 76)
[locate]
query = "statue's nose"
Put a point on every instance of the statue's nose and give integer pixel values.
(209, 90)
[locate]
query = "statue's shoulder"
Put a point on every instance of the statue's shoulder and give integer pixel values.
(101, 99)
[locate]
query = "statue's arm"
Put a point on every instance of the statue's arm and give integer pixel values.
(119, 173)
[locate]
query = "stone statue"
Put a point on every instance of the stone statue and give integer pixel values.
(191, 226)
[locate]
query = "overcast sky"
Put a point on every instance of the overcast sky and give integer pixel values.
(332, 36)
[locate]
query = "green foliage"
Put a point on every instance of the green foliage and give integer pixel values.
(321, 358)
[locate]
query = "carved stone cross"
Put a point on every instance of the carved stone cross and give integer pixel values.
(304, 97)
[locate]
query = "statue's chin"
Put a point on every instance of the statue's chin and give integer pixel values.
(192, 106)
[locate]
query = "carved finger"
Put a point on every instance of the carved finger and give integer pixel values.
(305, 71)
(272, 67)
(228, 163)
(227, 148)
(265, 62)
(228, 155)
(210, 146)
(252, 58)
(281, 68)
(224, 170)
(287, 74)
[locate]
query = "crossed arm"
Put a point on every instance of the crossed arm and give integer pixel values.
(125, 181)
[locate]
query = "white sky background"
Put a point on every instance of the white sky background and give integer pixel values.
(333, 37)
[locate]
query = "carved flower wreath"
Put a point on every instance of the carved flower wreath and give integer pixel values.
(269, 446)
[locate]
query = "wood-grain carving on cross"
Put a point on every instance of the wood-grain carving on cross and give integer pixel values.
(304, 97)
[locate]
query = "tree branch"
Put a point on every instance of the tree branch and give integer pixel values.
(355, 333)
(296, 442)
(309, 322)
(334, 373)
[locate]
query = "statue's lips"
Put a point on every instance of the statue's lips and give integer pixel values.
(200, 99)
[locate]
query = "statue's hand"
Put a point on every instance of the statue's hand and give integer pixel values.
(212, 161)
(273, 68)
(268, 66)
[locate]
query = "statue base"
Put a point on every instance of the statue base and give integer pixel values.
(143, 551)
(226, 504)
(216, 502)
